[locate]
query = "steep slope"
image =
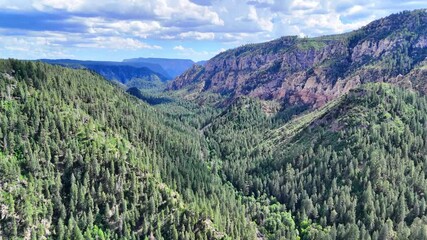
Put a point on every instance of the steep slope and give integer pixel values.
(173, 67)
(80, 159)
(312, 71)
(356, 166)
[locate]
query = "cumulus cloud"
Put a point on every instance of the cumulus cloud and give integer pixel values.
(198, 35)
(115, 43)
(102, 26)
(153, 24)
(124, 9)
(188, 52)
(265, 24)
(179, 48)
(34, 47)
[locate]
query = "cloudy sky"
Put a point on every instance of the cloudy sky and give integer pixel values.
(195, 29)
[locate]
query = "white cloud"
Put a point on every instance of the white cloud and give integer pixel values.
(34, 47)
(191, 53)
(149, 24)
(179, 48)
(101, 26)
(208, 20)
(56, 42)
(304, 4)
(264, 23)
(197, 35)
(51, 5)
(115, 43)
(354, 9)
(165, 10)
(235, 36)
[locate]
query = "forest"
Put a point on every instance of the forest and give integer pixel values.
(80, 158)
(356, 167)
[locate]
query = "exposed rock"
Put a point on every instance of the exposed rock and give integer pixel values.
(292, 70)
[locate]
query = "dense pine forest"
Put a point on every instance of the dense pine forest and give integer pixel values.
(327, 154)
(358, 169)
(81, 159)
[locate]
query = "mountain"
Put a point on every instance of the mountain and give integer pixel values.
(173, 67)
(82, 159)
(336, 150)
(313, 71)
(333, 127)
(130, 75)
(78, 63)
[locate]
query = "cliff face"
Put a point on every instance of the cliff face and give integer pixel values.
(312, 71)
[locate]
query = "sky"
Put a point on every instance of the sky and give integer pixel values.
(113, 30)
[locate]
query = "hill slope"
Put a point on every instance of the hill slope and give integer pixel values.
(81, 159)
(336, 157)
(356, 166)
(312, 71)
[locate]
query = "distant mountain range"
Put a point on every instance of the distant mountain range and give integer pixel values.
(83, 63)
(173, 67)
(138, 72)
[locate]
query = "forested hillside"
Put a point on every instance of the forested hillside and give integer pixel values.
(81, 159)
(314, 138)
(352, 169)
(311, 122)
(357, 166)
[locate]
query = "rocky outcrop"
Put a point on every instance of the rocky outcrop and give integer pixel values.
(313, 71)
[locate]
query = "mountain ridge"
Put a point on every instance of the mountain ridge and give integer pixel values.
(312, 71)
(314, 138)
(79, 63)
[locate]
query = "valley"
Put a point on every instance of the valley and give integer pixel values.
(295, 138)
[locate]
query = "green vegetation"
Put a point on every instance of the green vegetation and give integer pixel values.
(148, 83)
(80, 159)
(310, 43)
(353, 170)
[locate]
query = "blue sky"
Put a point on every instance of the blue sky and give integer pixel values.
(194, 29)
